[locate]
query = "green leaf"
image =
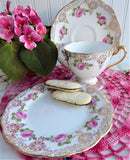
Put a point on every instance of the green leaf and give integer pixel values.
(13, 118)
(19, 120)
(22, 130)
(42, 59)
(13, 114)
(89, 128)
(69, 136)
(10, 63)
(86, 125)
(67, 142)
(73, 14)
(60, 144)
(27, 129)
(78, 7)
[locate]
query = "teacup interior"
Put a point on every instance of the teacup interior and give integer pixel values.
(87, 47)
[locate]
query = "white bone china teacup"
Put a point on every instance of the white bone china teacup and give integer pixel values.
(88, 60)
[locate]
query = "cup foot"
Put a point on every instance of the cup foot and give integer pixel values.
(91, 82)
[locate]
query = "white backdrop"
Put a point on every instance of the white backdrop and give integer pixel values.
(47, 10)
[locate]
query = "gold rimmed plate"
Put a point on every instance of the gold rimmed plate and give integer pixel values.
(37, 125)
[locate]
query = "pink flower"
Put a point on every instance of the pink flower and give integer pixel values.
(29, 38)
(20, 115)
(7, 7)
(102, 19)
(107, 40)
(92, 123)
(7, 25)
(34, 18)
(81, 65)
(61, 138)
(62, 32)
(20, 22)
(18, 10)
(78, 12)
(41, 30)
(27, 134)
(93, 101)
(30, 96)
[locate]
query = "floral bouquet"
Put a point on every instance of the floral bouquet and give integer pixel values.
(24, 44)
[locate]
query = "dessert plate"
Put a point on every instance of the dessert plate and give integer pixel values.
(37, 125)
(85, 20)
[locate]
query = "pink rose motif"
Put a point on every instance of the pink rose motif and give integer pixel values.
(62, 32)
(93, 101)
(30, 96)
(81, 65)
(78, 12)
(20, 115)
(61, 138)
(92, 123)
(107, 40)
(26, 134)
(102, 19)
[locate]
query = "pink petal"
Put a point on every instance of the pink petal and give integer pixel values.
(4, 13)
(35, 37)
(8, 5)
(26, 12)
(35, 19)
(23, 38)
(4, 23)
(18, 31)
(10, 35)
(28, 30)
(4, 35)
(18, 10)
(11, 20)
(42, 28)
(30, 45)
(32, 12)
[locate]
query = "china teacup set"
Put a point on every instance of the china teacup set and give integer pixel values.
(87, 34)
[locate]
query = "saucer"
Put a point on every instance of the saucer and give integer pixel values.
(85, 20)
(37, 125)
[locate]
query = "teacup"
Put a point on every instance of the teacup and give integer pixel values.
(88, 60)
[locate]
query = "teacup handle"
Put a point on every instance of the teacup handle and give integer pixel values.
(116, 52)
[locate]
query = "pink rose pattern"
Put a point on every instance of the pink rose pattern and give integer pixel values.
(20, 115)
(93, 103)
(62, 32)
(31, 96)
(101, 19)
(92, 123)
(79, 64)
(108, 39)
(78, 12)
(61, 138)
(27, 133)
